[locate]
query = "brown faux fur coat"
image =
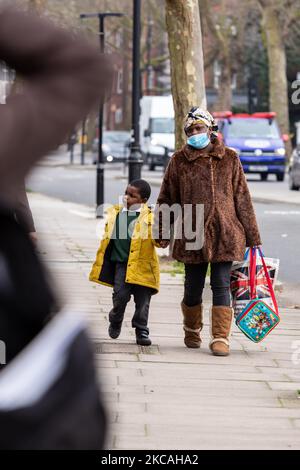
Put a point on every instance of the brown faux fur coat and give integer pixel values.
(216, 180)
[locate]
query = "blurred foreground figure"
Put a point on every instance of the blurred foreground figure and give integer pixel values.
(49, 397)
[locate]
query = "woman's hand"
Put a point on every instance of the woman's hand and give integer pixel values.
(163, 243)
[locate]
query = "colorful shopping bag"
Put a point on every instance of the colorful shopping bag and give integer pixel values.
(240, 281)
(258, 319)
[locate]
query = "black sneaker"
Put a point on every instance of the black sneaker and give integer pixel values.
(142, 338)
(114, 331)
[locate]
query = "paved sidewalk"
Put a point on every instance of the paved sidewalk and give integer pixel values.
(167, 396)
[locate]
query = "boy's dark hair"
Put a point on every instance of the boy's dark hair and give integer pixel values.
(143, 187)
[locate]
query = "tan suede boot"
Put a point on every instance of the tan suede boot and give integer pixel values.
(221, 319)
(192, 325)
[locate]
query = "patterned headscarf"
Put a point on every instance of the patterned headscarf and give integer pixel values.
(197, 115)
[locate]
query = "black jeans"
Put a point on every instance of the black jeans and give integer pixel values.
(121, 295)
(219, 281)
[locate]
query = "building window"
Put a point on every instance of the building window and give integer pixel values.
(217, 77)
(3, 92)
(234, 81)
(119, 39)
(120, 82)
(118, 116)
(6, 79)
(151, 78)
(217, 74)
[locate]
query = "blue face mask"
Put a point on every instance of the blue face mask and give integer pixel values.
(199, 141)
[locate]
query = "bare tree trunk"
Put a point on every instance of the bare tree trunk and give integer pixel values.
(277, 67)
(186, 55)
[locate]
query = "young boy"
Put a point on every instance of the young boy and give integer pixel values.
(127, 260)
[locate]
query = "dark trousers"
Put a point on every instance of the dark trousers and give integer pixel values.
(219, 281)
(121, 295)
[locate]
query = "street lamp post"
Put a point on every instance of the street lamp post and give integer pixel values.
(135, 160)
(149, 66)
(100, 161)
(83, 141)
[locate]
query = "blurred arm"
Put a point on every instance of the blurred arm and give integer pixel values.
(63, 77)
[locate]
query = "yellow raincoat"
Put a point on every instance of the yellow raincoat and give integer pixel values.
(142, 265)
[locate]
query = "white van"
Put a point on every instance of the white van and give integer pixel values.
(157, 129)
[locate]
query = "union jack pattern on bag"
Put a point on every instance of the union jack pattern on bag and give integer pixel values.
(240, 281)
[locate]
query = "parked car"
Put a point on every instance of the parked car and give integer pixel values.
(294, 170)
(257, 140)
(115, 146)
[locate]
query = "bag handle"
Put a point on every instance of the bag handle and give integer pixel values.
(252, 267)
(253, 276)
(270, 285)
(247, 253)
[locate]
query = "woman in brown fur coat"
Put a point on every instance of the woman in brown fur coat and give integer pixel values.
(206, 173)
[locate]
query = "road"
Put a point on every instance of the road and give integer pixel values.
(279, 222)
